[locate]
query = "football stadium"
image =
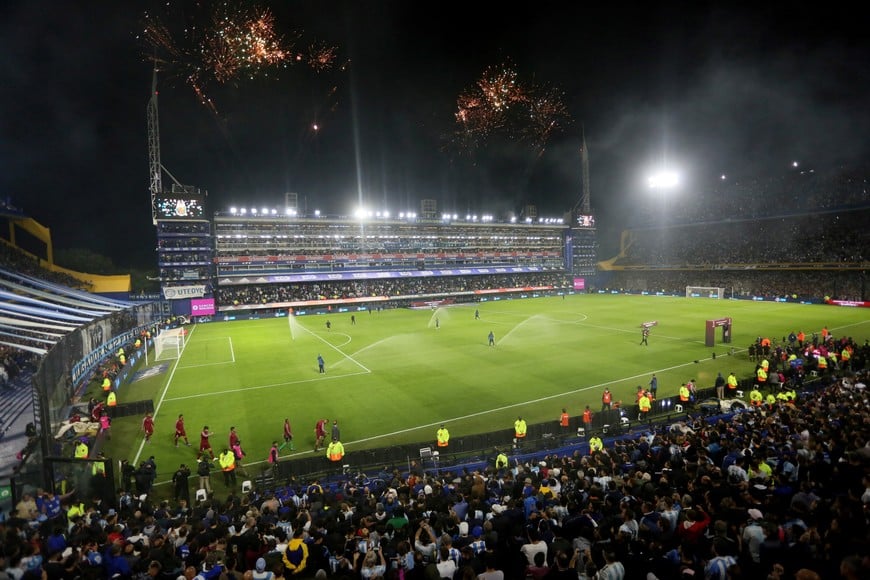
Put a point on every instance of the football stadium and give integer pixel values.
(648, 387)
(369, 356)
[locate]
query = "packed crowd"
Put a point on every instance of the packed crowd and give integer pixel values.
(812, 237)
(797, 191)
(264, 294)
(781, 491)
(801, 284)
(14, 260)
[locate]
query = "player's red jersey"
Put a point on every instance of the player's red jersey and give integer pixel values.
(179, 428)
(148, 425)
(203, 439)
(320, 430)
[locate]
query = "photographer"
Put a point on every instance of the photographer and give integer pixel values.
(373, 565)
(424, 542)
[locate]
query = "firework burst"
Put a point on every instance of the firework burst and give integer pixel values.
(502, 104)
(227, 43)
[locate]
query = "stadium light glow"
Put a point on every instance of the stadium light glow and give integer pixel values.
(664, 180)
(254, 211)
(317, 213)
(233, 210)
(243, 211)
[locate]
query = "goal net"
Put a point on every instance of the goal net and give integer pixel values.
(705, 292)
(169, 344)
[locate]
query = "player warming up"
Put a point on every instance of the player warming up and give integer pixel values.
(180, 431)
(204, 443)
(148, 427)
(644, 336)
(288, 436)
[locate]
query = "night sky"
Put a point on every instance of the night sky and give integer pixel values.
(701, 88)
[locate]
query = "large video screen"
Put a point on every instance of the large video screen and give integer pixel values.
(202, 307)
(178, 207)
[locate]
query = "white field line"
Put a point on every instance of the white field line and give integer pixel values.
(336, 349)
(163, 394)
(261, 387)
(211, 364)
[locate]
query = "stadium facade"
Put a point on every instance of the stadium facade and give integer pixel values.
(259, 260)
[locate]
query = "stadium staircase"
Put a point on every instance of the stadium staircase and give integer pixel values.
(15, 399)
(16, 410)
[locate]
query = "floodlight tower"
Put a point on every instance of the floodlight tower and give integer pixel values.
(581, 241)
(185, 262)
(155, 167)
(156, 180)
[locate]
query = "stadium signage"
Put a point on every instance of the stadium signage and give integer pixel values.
(176, 292)
(852, 303)
(325, 277)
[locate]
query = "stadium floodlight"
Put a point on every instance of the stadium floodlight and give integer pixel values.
(274, 211)
(265, 211)
(664, 180)
(254, 210)
(513, 219)
(317, 213)
(360, 213)
(243, 211)
(386, 214)
(233, 210)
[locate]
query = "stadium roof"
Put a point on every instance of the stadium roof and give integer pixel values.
(35, 315)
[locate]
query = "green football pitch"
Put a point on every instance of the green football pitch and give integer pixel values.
(396, 375)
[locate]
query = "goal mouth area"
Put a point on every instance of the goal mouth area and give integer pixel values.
(705, 292)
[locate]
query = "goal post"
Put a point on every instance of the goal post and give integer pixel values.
(705, 292)
(169, 344)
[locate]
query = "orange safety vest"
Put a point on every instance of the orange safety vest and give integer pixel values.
(563, 420)
(587, 416)
(336, 452)
(607, 397)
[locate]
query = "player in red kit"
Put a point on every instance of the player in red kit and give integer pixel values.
(319, 433)
(234, 437)
(180, 432)
(204, 443)
(288, 436)
(148, 427)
